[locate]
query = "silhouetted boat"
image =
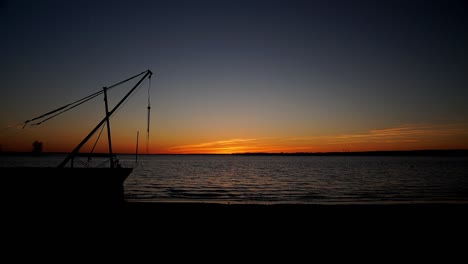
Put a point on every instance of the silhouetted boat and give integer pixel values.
(68, 185)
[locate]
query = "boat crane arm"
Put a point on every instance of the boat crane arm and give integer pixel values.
(70, 106)
(148, 74)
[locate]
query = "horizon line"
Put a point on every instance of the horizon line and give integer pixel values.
(257, 153)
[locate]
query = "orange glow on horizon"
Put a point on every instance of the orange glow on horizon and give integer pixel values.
(408, 137)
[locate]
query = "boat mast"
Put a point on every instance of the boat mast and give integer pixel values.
(75, 151)
(111, 158)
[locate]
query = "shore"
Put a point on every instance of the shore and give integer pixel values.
(297, 207)
(419, 219)
(299, 212)
(197, 208)
(262, 222)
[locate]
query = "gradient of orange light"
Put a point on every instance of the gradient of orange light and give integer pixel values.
(409, 137)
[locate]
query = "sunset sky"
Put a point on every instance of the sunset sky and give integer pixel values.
(239, 76)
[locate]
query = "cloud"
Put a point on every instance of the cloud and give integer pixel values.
(221, 146)
(407, 133)
(401, 137)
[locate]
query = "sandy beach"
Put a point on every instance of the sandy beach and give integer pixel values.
(399, 212)
(194, 222)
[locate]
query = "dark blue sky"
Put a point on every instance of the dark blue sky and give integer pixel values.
(244, 69)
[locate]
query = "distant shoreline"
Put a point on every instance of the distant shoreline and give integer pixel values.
(434, 152)
(448, 153)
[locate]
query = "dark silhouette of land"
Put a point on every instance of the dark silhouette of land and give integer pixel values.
(297, 213)
(204, 223)
(450, 152)
(299, 220)
(430, 152)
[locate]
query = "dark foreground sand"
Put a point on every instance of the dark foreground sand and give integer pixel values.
(201, 224)
(149, 206)
(294, 215)
(159, 208)
(236, 232)
(299, 214)
(294, 209)
(168, 210)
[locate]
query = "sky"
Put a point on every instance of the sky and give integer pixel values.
(238, 76)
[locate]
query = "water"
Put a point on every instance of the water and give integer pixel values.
(287, 179)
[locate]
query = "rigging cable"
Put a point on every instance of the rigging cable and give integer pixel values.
(149, 114)
(70, 106)
(95, 143)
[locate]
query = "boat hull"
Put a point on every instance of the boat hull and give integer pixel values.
(63, 187)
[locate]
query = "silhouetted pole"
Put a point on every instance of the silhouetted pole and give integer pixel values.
(148, 130)
(108, 129)
(136, 151)
(149, 114)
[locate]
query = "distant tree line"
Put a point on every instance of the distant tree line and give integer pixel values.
(435, 152)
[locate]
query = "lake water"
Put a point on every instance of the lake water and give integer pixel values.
(286, 179)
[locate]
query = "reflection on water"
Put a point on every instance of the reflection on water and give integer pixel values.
(286, 179)
(298, 179)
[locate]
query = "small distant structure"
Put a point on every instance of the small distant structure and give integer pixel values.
(37, 147)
